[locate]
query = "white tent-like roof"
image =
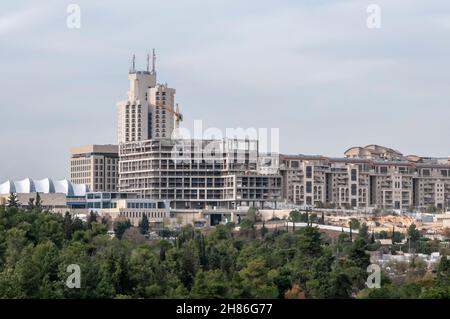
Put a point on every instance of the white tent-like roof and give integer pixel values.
(45, 186)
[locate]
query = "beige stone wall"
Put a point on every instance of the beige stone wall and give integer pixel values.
(97, 166)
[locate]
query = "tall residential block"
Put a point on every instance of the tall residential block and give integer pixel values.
(96, 166)
(149, 111)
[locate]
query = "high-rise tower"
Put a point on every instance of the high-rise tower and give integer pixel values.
(149, 112)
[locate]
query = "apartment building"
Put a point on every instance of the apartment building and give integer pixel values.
(371, 176)
(95, 166)
(197, 174)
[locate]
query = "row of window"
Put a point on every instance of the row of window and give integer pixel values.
(141, 214)
(141, 205)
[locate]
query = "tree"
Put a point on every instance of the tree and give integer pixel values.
(397, 237)
(38, 202)
(144, 224)
(294, 293)
(413, 233)
(264, 230)
(188, 266)
(91, 219)
(358, 255)
(247, 227)
(253, 215)
(372, 238)
(443, 272)
(255, 281)
(294, 217)
(121, 227)
(354, 223)
(309, 242)
(67, 224)
(13, 200)
(210, 284)
(31, 204)
(364, 232)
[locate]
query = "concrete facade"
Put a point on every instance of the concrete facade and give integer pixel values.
(197, 174)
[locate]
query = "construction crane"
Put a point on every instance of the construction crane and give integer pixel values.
(178, 115)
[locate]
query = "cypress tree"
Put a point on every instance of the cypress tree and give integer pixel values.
(38, 202)
(68, 225)
(144, 224)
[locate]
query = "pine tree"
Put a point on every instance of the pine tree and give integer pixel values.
(12, 200)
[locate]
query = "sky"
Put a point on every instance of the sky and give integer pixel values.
(312, 69)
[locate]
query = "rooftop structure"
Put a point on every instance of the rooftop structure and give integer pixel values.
(45, 186)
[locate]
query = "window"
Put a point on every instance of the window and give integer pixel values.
(308, 187)
(354, 190)
(308, 171)
(354, 174)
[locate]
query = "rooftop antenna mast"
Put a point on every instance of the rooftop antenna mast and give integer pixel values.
(133, 64)
(153, 62)
(148, 62)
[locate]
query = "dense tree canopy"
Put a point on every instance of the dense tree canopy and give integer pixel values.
(36, 247)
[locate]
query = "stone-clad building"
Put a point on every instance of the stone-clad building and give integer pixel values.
(371, 176)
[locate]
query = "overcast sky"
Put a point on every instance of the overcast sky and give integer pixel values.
(310, 68)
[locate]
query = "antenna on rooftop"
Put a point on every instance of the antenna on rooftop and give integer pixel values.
(153, 62)
(148, 62)
(133, 64)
